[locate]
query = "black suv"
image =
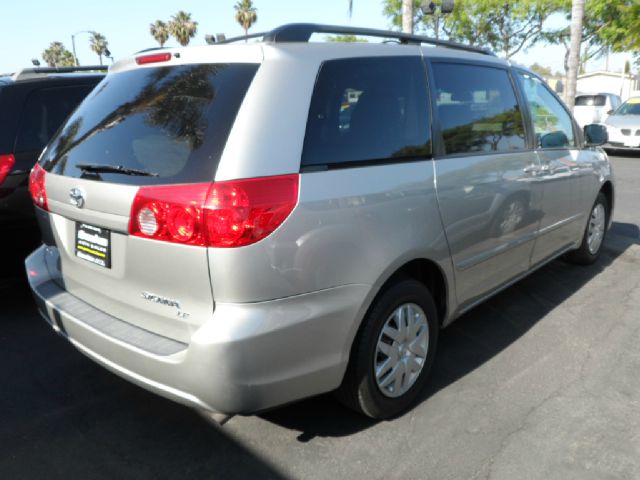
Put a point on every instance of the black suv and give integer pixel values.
(33, 104)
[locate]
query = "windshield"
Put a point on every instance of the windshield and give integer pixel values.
(171, 121)
(591, 101)
(630, 107)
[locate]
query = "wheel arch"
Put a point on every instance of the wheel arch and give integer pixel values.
(607, 191)
(429, 274)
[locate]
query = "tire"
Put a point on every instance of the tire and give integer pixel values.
(597, 223)
(384, 398)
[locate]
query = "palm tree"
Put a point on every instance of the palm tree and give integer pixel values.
(160, 31)
(67, 59)
(98, 43)
(58, 56)
(577, 15)
(246, 15)
(407, 16)
(182, 27)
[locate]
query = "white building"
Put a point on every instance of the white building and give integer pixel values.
(609, 82)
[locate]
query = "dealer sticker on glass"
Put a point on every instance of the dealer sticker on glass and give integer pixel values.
(93, 244)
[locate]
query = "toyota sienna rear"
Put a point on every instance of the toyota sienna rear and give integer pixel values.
(239, 226)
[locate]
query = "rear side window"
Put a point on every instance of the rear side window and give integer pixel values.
(591, 101)
(170, 122)
(368, 109)
(477, 108)
(44, 112)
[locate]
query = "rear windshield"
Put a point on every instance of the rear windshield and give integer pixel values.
(591, 101)
(170, 122)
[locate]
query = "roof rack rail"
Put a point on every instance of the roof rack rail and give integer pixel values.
(35, 72)
(301, 32)
(241, 38)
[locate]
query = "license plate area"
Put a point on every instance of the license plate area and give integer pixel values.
(93, 244)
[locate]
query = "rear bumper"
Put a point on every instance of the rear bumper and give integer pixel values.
(245, 358)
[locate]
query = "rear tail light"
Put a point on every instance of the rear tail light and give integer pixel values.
(223, 214)
(6, 164)
(37, 187)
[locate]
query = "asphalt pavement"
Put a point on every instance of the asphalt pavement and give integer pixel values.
(541, 382)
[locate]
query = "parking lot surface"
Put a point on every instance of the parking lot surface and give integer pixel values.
(541, 382)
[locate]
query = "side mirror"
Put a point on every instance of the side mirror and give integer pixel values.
(595, 135)
(554, 140)
(610, 112)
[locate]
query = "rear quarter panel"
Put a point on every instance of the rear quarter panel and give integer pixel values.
(351, 226)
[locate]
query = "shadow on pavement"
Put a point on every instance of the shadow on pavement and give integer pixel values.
(473, 339)
(64, 417)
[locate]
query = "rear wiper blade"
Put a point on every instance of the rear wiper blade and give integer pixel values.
(95, 168)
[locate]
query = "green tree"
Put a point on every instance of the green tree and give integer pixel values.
(607, 26)
(160, 32)
(246, 15)
(346, 38)
(182, 27)
(58, 56)
(504, 26)
(98, 44)
(619, 23)
(541, 70)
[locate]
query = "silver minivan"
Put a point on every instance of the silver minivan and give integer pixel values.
(239, 226)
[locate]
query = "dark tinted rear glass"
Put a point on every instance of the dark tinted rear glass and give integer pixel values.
(366, 109)
(44, 112)
(172, 122)
(591, 101)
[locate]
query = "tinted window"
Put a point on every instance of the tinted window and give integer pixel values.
(368, 109)
(44, 112)
(591, 101)
(169, 121)
(478, 109)
(552, 123)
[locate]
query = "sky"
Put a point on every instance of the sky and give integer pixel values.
(29, 26)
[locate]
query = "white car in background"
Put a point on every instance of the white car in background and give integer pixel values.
(623, 126)
(594, 107)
